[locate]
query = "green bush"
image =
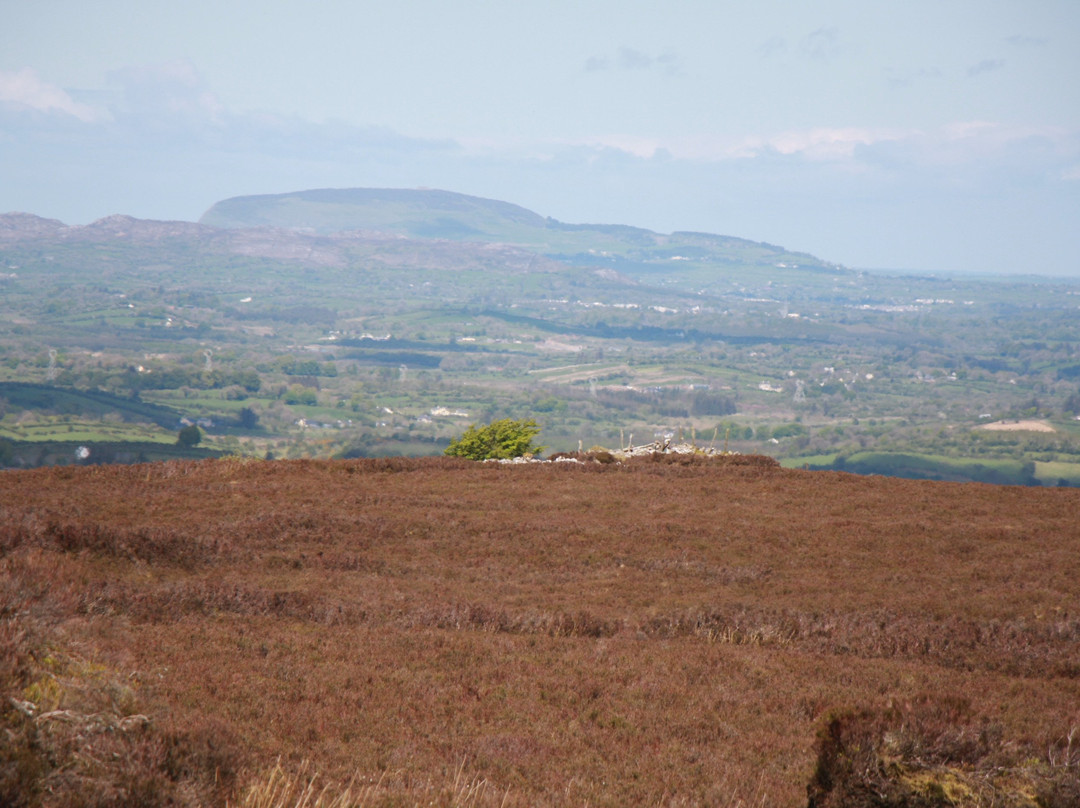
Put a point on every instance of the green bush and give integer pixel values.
(298, 394)
(499, 440)
(189, 436)
(788, 431)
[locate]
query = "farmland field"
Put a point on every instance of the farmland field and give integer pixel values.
(438, 631)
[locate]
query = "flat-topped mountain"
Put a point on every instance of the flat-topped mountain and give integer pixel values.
(322, 227)
(435, 214)
(419, 213)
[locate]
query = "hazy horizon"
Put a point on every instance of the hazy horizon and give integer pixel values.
(943, 137)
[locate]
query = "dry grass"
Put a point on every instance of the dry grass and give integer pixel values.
(933, 752)
(305, 788)
(655, 633)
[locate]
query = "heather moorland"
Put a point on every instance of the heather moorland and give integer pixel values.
(665, 631)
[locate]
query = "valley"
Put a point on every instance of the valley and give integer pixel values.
(365, 323)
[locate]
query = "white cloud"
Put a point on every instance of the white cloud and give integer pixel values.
(1023, 41)
(973, 141)
(962, 130)
(958, 143)
(170, 89)
(905, 78)
(820, 143)
(628, 59)
(632, 59)
(771, 46)
(822, 44)
(985, 66)
(24, 88)
(823, 143)
(635, 145)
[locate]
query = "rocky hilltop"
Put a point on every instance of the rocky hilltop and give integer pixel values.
(26, 226)
(21, 226)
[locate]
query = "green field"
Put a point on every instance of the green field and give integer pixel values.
(1053, 473)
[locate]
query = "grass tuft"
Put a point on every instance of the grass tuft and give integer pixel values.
(306, 788)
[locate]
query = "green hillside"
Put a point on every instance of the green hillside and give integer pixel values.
(34, 453)
(69, 401)
(433, 214)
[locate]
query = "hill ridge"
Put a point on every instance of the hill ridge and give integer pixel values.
(316, 218)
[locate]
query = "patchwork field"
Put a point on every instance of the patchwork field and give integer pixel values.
(432, 631)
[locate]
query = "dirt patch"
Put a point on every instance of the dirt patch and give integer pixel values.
(556, 345)
(1018, 426)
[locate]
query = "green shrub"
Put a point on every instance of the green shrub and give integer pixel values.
(499, 440)
(189, 436)
(298, 394)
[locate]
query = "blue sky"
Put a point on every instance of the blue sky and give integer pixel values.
(935, 135)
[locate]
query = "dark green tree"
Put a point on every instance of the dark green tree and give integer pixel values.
(189, 436)
(248, 418)
(1072, 404)
(499, 440)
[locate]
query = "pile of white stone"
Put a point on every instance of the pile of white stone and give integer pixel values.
(664, 447)
(644, 450)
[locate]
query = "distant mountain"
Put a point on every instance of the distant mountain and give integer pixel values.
(434, 214)
(149, 242)
(21, 226)
(415, 213)
(26, 226)
(420, 229)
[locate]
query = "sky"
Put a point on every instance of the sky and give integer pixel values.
(929, 135)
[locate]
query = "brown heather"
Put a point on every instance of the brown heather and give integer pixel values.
(441, 632)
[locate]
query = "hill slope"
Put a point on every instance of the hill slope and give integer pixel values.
(544, 635)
